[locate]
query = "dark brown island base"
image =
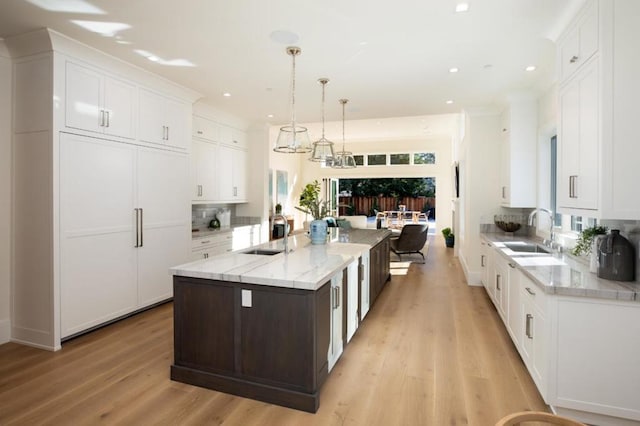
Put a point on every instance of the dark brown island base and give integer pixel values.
(275, 339)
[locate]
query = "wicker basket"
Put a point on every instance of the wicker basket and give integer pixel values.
(508, 223)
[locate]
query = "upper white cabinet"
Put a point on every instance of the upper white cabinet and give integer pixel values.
(579, 43)
(233, 137)
(232, 171)
(206, 129)
(98, 103)
(518, 173)
(163, 120)
(204, 169)
(598, 95)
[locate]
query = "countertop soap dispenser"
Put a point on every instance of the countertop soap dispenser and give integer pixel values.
(616, 258)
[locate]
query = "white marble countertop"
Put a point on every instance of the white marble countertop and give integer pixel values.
(306, 267)
(562, 274)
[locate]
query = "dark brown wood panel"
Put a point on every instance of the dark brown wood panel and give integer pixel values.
(203, 321)
(322, 314)
(277, 338)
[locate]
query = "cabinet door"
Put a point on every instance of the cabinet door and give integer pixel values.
(97, 238)
(336, 346)
(365, 287)
(163, 197)
(204, 158)
(513, 322)
(176, 117)
(225, 173)
(501, 283)
(119, 101)
(151, 125)
(83, 105)
(579, 130)
(239, 174)
(352, 299)
(205, 129)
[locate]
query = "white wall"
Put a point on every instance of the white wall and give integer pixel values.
(479, 158)
(547, 127)
(5, 192)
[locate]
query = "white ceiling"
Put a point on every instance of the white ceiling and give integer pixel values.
(390, 59)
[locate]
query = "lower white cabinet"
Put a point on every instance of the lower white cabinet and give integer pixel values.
(124, 220)
(205, 247)
(352, 298)
(336, 343)
(365, 285)
(501, 286)
(533, 333)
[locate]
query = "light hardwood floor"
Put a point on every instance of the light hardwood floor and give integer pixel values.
(432, 351)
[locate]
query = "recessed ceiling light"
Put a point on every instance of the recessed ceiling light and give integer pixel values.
(226, 94)
(449, 102)
(269, 115)
(462, 7)
(530, 68)
(454, 69)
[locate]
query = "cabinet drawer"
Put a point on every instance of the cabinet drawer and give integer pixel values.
(209, 241)
(206, 129)
(233, 137)
(534, 293)
(580, 42)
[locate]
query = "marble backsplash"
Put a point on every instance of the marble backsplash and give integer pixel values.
(202, 214)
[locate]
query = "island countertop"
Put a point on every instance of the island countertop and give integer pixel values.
(305, 267)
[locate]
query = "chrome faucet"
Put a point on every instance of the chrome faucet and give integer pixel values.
(551, 243)
(286, 230)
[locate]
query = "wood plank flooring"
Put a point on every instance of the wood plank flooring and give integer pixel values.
(432, 351)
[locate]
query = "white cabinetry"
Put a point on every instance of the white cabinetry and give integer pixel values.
(484, 262)
(98, 103)
(163, 120)
(533, 333)
(501, 284)
(232, 174)
(365, 287)
(578, 178)
(598, 93)
(205, 129)
(352, 298)
(204, 170)
(336, 343)
(597, 362)
(123, 224)
(205, 247)
(518, 173)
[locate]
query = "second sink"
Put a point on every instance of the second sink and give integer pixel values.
(527, 248)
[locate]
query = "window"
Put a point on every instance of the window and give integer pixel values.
(578, 223)
(399, 158)
(377, 159)
(359, 160)
(424, 158)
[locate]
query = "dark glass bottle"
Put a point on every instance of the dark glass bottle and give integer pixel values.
(616, 258)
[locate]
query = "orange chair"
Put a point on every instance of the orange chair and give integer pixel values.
(537, 416)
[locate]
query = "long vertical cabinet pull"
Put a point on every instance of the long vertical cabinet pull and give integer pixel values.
(498, 282)
(482, 260)
(108, 121)
(528, 320)
(141, 228)
(137, 211)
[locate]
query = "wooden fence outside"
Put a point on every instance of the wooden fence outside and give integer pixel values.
(366, 205)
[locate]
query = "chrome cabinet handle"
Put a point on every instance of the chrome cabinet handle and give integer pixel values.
(573, 187)
(107, 114)
(498, 282)
(529, 291)
(137, 212)
(205, 242)
(199, 132)
(528, 320)
(573, 59)
(199, 190)
(482, 260)
(101, 118)
(141, 228)
(512, 265)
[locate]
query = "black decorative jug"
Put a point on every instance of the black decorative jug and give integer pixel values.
(616, 258)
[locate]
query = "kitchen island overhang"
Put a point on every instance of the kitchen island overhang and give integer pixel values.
(262, 326)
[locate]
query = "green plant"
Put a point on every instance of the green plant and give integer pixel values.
(278, 208)
(310, 202)
(446, 232)
(585, 240)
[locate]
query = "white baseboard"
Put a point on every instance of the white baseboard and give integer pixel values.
(5, 331)
(473, 278)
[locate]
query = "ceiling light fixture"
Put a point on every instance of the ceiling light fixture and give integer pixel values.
(454, 69)
(343, 159)
(322, 148)
(226, 94)
(462, 7)
(530, 68)
(449, 102)
(292, 138)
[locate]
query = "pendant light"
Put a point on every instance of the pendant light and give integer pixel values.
(322, 148)
(292, 138)
(343, 159)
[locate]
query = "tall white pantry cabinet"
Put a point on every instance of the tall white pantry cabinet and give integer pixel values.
(100, 211)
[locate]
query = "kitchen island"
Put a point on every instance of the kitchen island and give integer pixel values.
(270, 326)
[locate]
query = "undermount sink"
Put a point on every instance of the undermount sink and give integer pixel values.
(263, 252)
(527, 248)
